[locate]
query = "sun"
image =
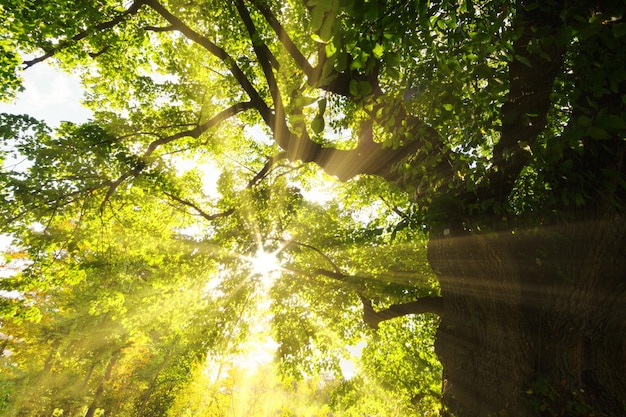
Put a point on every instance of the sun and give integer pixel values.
(265, 263)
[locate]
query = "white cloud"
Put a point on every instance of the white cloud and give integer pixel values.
(49, 95)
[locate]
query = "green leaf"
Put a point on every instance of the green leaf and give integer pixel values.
(378, 51)
(365, 88)
(523, 60)
(359, 61)
(317, 18)
(331, 49)
(598, 133)
(317, 38)
(322, 105)
(303, 101)
(392, 59)
(318, 124)
(341, 61)
(611, 122)
(326, 30)
(354, 87)
(619, 29)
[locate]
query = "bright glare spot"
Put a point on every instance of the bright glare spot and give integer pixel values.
(318, 195)
(320, 188)
(49, 94)
(264, 263)
(368, 212)
(5, 242)
(213, 287)
(37, 227)
(208, 170)
(260, 351)
(349, 367)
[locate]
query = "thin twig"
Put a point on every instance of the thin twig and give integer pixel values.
(133, 9)
(209, 217)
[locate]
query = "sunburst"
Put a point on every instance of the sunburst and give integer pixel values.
(265, 263)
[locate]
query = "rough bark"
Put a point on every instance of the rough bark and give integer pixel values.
(532, 73)
(534, 320)
(535, 317)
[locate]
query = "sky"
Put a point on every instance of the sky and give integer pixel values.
(49, 95)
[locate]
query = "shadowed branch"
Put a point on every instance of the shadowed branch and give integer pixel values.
(198, 210)
(372, 318)
(422, 305)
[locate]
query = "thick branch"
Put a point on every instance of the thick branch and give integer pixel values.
(100, 52)
(219, 53)
(422, 305)
(159, 28)
(263, 50)
(372, 318)
(337, 274)
(133, 9)
(263, 172)
(425, 148)
(341, 81)
(296, 147)
(253, 182)
(368, 158)
(284, 38)
(531, 78)
(265, 59)
(200, 129)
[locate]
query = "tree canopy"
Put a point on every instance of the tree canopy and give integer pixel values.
(472, 154)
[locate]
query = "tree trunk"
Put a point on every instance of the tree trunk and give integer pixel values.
(535, 320)
(91, 411)
(150, 390)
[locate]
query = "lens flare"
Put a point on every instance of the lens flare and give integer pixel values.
(264, 263)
